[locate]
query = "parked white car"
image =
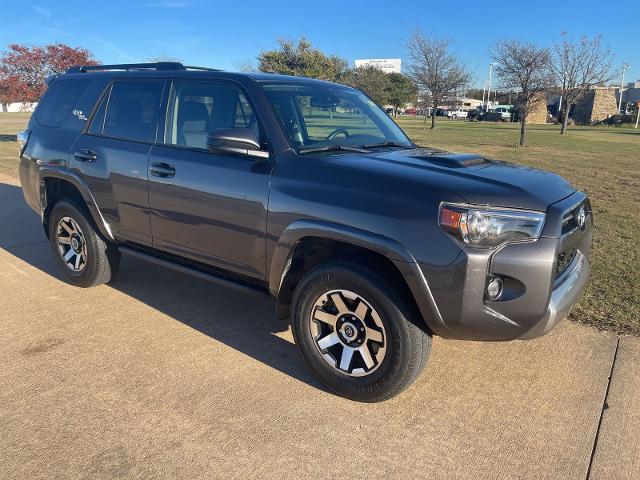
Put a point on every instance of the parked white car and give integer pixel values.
(504, 112)
(459, 113)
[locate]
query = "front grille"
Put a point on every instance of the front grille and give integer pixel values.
(570, 218)
(563, 260)
(575, 233)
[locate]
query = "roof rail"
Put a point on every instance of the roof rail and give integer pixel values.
(206, 69)
(136, 66)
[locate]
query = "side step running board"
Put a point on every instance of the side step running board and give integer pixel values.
(209, 277)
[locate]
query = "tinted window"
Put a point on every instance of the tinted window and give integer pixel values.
(198, 108)
(132, 109)
(59, 100)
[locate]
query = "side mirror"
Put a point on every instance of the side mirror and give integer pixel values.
(235, 140)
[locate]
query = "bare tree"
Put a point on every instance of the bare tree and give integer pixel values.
(525, 68)
(436, 70)
(578, 66)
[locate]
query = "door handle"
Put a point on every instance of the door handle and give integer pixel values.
(86, 156)
(163, 170)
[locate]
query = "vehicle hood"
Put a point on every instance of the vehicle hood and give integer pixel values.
(476, 179)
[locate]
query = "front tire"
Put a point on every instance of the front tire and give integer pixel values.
(84, 257)
(356, 333)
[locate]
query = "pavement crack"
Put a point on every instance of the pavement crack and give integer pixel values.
(605, 406)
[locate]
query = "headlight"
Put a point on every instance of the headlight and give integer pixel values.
(490, 227)
(23, 138)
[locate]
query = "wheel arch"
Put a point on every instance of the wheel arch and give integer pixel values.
(56, 183)
(307, 243)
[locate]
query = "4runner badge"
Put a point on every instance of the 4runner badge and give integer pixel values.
(79, 114)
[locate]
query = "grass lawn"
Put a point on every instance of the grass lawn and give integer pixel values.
(10, 124)
(604, 161)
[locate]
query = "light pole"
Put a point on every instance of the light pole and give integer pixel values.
(484, 91)
(559, 105)
(625, 67)
(489, 88)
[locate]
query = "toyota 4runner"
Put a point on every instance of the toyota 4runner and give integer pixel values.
(305, 191)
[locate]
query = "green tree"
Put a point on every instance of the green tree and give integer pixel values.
(475, 93)
(372, 81)
(302, 60)
(401, 91)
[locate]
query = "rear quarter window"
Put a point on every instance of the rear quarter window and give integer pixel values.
(59, 100)
(132, 110)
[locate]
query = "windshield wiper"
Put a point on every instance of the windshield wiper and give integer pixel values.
(331, 148)
(388, 144)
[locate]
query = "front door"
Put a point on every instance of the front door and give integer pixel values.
(208, 207)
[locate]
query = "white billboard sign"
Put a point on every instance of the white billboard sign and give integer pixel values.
(387, 65)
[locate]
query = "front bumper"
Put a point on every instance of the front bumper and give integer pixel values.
(542, 281)
(563, 297)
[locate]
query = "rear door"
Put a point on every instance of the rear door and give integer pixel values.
(209, 207)
(112, 155)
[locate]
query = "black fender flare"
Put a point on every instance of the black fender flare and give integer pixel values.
(389, 248)
(62, 173)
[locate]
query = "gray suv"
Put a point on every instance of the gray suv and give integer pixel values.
(307, 192)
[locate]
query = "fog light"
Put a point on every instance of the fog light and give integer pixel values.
(494, 288)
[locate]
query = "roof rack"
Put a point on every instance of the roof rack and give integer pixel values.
(137, 66)
(206, 69)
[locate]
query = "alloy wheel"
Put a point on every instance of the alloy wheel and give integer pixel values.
(72, 245)
(348, 332)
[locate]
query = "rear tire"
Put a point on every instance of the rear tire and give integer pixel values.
(356, 333)
(85, 258)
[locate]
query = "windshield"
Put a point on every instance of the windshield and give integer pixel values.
(318, 117)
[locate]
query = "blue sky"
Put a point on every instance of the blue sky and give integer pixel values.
(227, 35)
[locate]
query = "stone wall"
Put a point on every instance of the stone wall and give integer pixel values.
(598, 105)
(538, 113)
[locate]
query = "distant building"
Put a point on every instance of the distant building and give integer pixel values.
(387, 65)
(461, 103)
(597, 106)
(538, 112)
(468, 103)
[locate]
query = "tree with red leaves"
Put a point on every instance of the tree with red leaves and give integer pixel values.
(24, 69)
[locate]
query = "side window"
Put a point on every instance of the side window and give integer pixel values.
(244, 113)
(195, 109)
(59, 100)
(97, 123)
(132, 109)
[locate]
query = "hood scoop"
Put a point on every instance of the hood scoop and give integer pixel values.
(451, 160)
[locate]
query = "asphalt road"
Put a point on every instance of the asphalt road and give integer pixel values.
(159, 375)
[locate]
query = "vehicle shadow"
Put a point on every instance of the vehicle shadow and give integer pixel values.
(241, 321)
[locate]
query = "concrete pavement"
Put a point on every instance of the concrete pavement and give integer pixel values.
(159, 375)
